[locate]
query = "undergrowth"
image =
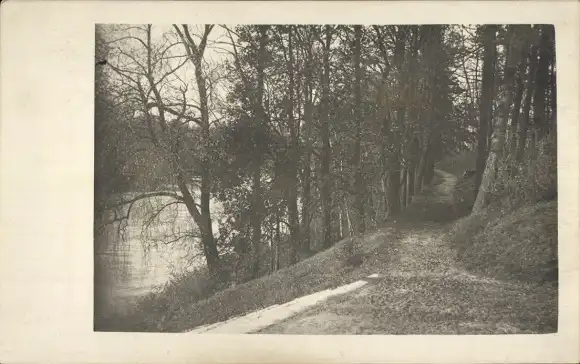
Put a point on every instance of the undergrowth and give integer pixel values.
(188, 301)
(194, 298)
(515, 236)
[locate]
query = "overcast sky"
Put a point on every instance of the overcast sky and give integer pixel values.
(216, 53)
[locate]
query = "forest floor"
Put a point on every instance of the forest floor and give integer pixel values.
(417, 287)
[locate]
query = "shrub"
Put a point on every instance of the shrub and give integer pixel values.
(534, 179)
(464, 196)
(516, 235)
(179, 292)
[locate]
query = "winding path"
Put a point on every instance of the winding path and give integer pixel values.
(424, 291)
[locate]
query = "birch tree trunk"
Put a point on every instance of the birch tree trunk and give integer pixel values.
(497, 147)
(524, 125)
(486, 101)
(519, 92)
(542, 83)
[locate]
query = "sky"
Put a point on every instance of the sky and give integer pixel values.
(217, 51)
(123, 49)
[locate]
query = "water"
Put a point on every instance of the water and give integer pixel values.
(143, 255)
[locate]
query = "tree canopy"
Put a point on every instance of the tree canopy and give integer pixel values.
(306, 134)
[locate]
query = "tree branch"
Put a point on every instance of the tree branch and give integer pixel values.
(144, 196)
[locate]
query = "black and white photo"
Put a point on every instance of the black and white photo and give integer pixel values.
(326, 179)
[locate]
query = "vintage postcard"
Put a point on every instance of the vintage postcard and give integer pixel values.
(315, 182)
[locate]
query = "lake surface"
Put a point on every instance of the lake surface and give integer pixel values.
(140, 257)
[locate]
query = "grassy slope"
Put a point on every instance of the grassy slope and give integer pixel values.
(328, 269)
(425, 292)
(423, 289)
(518, 245)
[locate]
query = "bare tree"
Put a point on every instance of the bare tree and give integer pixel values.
(485, 103)
(148, 72)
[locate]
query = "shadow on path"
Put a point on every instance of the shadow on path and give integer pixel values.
(420, 290)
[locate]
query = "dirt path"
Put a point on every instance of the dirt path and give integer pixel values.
(426, 292)
(268, 316)
(421, 290)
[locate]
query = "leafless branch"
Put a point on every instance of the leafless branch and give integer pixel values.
(145, 196)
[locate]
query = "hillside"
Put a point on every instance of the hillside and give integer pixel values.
(433, 145)
(424, 285)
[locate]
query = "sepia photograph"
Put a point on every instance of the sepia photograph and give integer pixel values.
(271, 181)
(325, 179)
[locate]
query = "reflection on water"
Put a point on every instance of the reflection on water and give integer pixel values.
(137, 259)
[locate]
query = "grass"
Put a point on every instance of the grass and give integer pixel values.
(422, 289)
(328, 269)
(425, 291)
(189, 301)
(516, 236)
(446, 304)
(491, 273)
(172, 311)
(521, 244)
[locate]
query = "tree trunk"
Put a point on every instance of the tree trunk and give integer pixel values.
(256, 219)
(395, 157)
(357, 162)
(499, 140)
(517, 105)
(486, 101)
(306, 175)
(429, 171)
(524, 126)
(541, 83)
(306, 202)
(208, 243)
(293, 222)
(325, 193)
(410, 185)
(412, 170)
(293, 159)
(404, 185)
(394, 190)
(275, 254)
(421, 169)
(386, 140)
(205, 188)
(385, 118)
(195, 53)
(256, 216)
(553, 88)
(345, 220)
(414, 112)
